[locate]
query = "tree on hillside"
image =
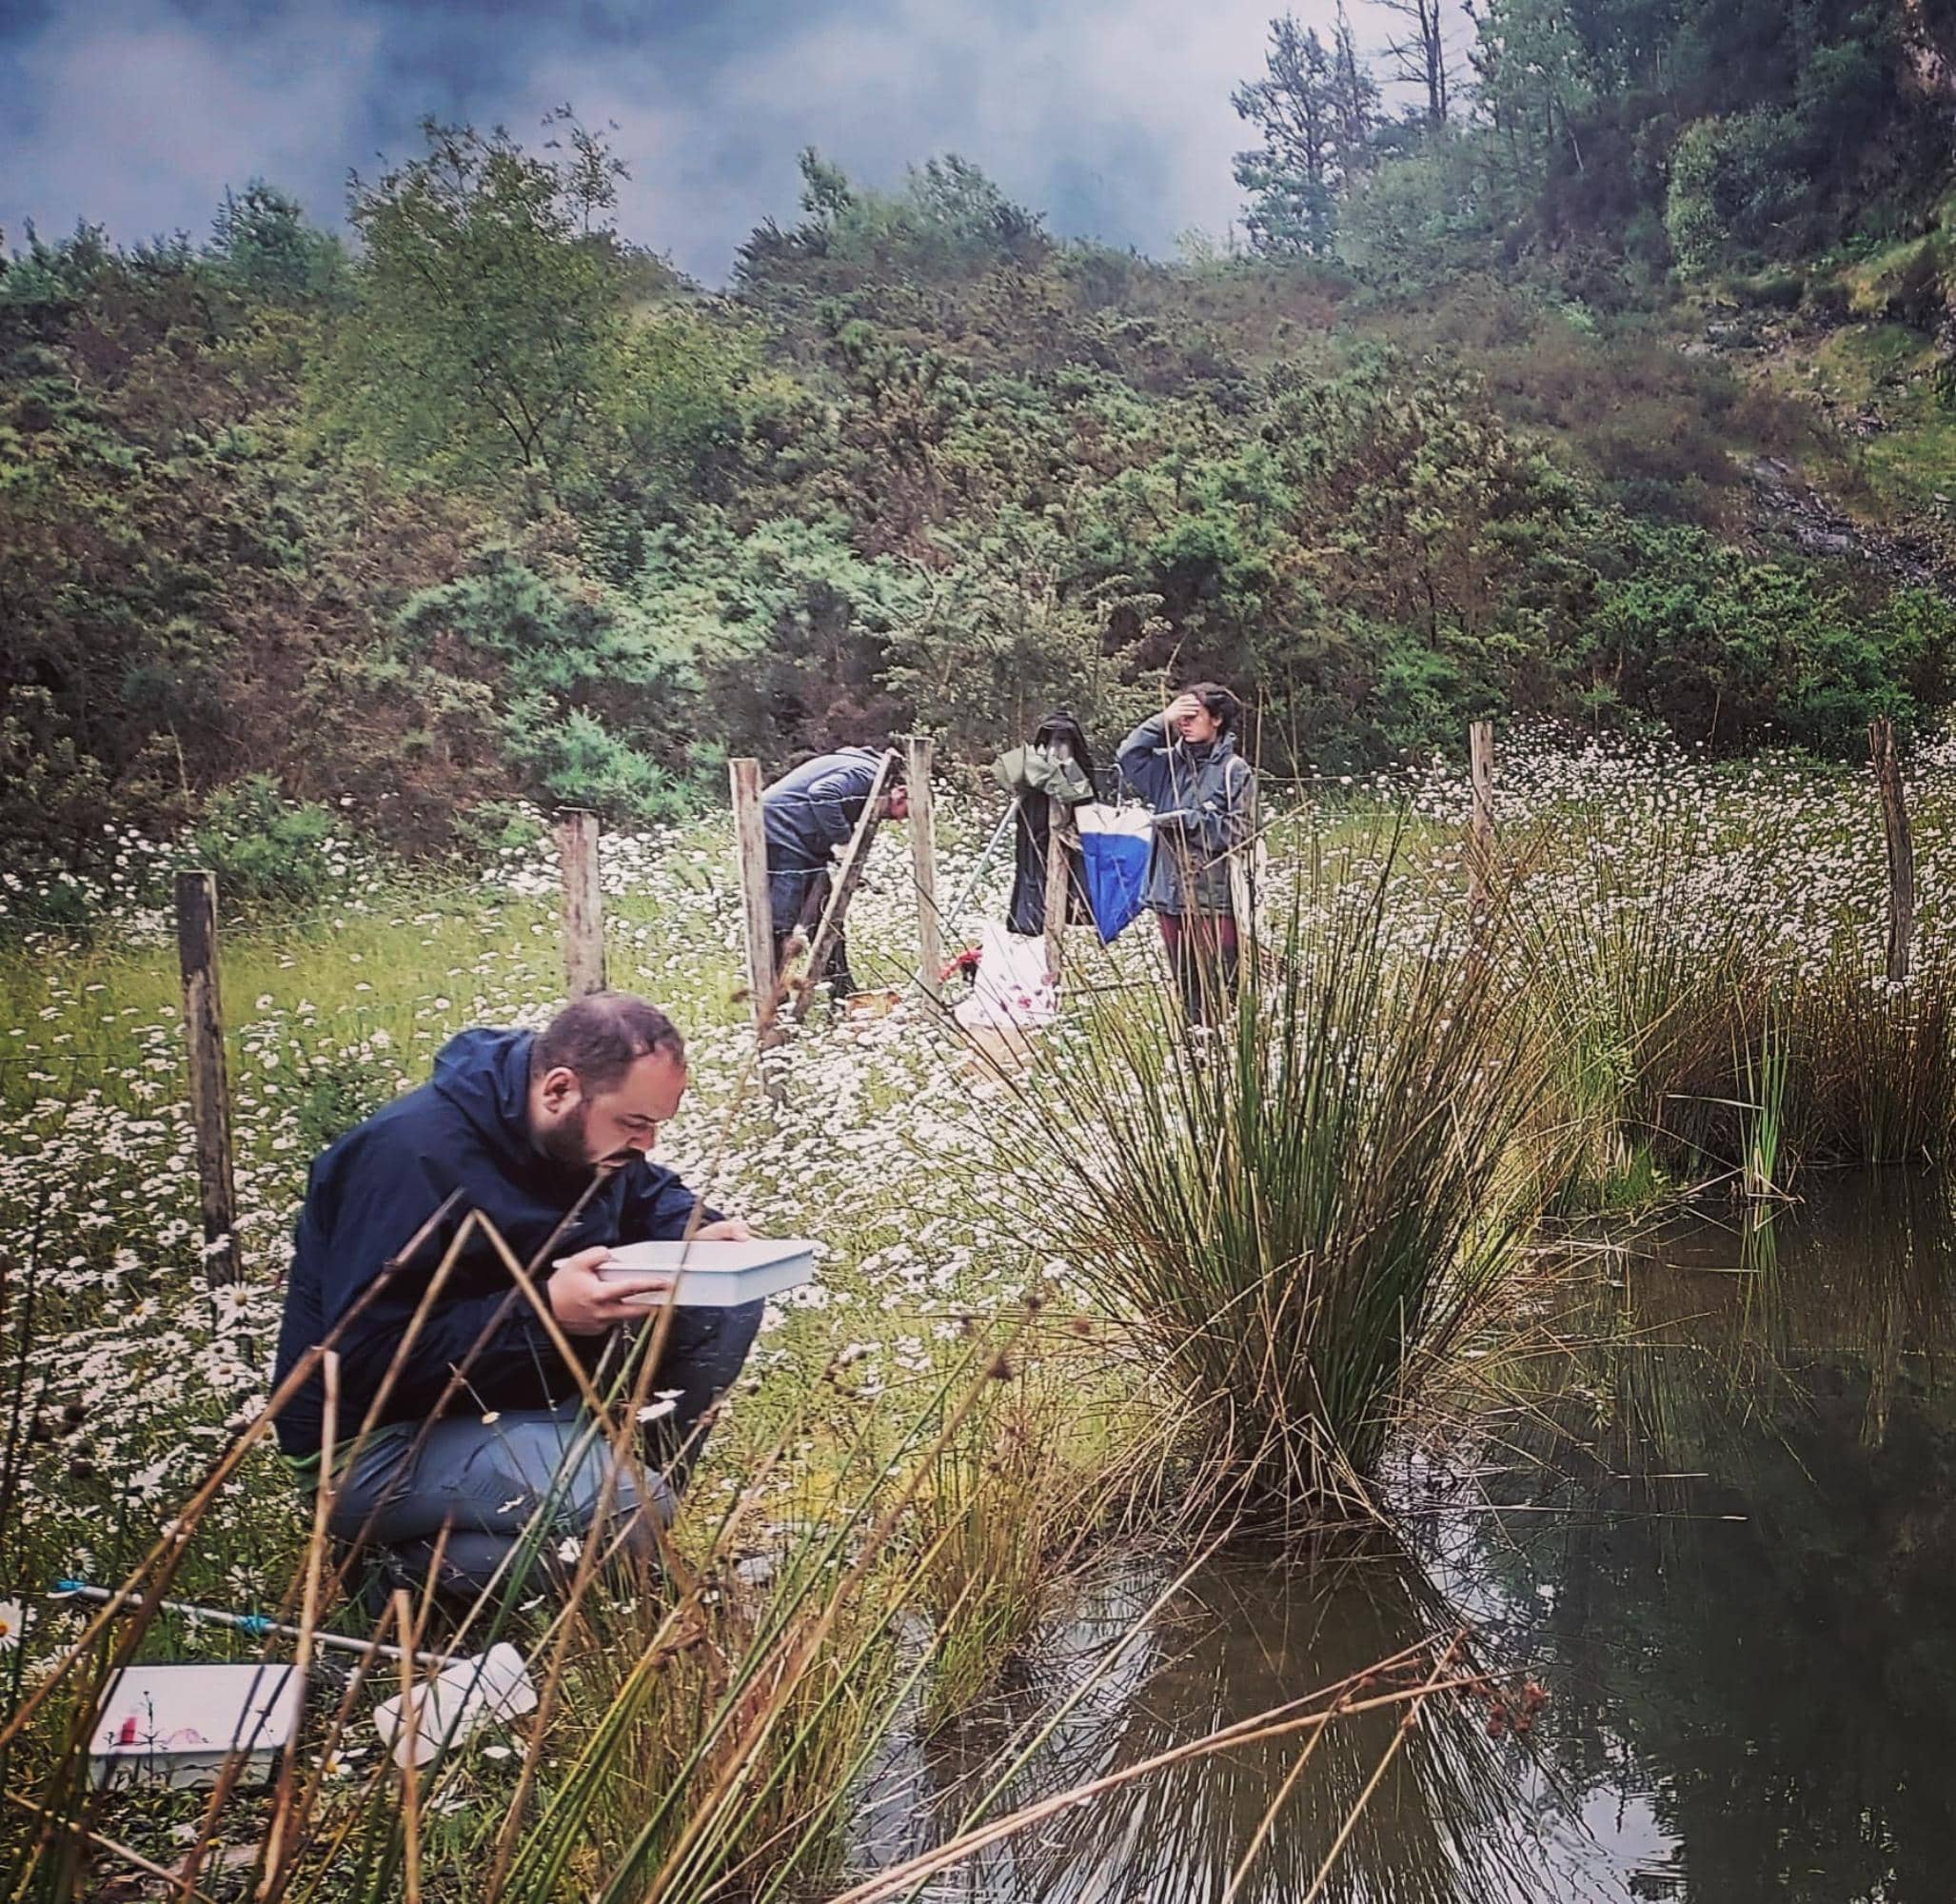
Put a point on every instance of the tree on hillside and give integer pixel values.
(1419, 57)
(1537, 77)
(493, 323)
(1354, 98)
(1304, 116)
(949, 219)
(263, 243)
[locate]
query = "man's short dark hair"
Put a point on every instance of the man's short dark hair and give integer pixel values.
(601, 1035)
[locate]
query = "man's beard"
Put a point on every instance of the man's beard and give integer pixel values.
(567, 1144)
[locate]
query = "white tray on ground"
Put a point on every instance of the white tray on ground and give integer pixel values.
(717, 1275)
(177, 1725)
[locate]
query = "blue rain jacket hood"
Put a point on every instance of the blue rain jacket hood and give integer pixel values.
(808, 813)
(467, 1131)
(1204, 800)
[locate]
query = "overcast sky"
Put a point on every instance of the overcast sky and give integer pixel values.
(1110, 115)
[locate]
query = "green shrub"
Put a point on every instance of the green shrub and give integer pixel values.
(597, 695)
(579, 761)
(1732, 184)
(262, 846)
(1299, 1213)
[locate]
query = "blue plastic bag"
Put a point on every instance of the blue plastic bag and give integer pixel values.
(1115, 865)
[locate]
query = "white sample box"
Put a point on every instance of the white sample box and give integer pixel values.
(178, 1725)
(717, 1275)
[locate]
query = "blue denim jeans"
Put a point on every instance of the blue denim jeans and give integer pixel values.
(468, 1488)
(796, 896)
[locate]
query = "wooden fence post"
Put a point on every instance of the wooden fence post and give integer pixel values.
(210, 1093)
(1887, 774)
(1059, 884)
(923, 859)
(1480, 766)
(756, 916)
(583, 900)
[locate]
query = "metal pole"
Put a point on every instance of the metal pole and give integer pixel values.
(977, 873)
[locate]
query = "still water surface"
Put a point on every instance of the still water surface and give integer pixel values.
(1718, 1526)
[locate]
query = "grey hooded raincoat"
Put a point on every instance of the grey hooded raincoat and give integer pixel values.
(1204, 800)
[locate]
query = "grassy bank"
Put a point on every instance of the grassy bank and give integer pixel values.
(1125, 1293)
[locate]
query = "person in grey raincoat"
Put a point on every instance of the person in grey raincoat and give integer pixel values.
(1184, 764)
(807, 814)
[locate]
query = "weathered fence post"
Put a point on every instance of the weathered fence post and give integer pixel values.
(210, 1093)
(1480, 859)
(923, 859)
(1059, 884)
(583, 900)
(1887, 774)
(756, 916)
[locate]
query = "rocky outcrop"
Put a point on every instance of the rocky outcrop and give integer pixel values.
(1815, 526)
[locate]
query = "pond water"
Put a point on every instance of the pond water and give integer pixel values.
(1719, 1527)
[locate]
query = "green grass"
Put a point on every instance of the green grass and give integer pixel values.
(1886, 368)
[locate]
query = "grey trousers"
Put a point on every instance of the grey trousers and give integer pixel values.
(470, 1488)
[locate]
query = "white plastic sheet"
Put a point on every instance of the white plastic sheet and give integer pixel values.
(1010, 991)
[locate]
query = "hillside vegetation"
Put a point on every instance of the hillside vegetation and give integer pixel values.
(1612, 382)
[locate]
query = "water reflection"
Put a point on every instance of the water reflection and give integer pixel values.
(1449, 1822)
(1720, 1523)
(1745, 1598)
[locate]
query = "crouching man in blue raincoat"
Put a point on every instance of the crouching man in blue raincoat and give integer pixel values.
(459, 1421)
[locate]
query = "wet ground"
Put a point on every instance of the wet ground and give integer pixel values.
(1716, 1518)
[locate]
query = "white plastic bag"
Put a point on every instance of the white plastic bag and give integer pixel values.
(458, 1699)
(1011, 990)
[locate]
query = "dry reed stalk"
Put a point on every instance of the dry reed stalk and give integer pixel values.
(1263, 1726)
(410, 1771)
(1400, 1734)
(308, 1615)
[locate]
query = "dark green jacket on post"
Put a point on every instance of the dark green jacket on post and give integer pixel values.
(1032, 775)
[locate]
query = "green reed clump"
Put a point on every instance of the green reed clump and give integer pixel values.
(1299, 1213)
(1639, 967)
(1872, 1065)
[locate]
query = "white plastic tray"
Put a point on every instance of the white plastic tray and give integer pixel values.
(717, 1275)
(177, 1725)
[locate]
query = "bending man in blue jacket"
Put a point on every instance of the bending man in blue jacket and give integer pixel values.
(471, 1419)
(808, 814)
